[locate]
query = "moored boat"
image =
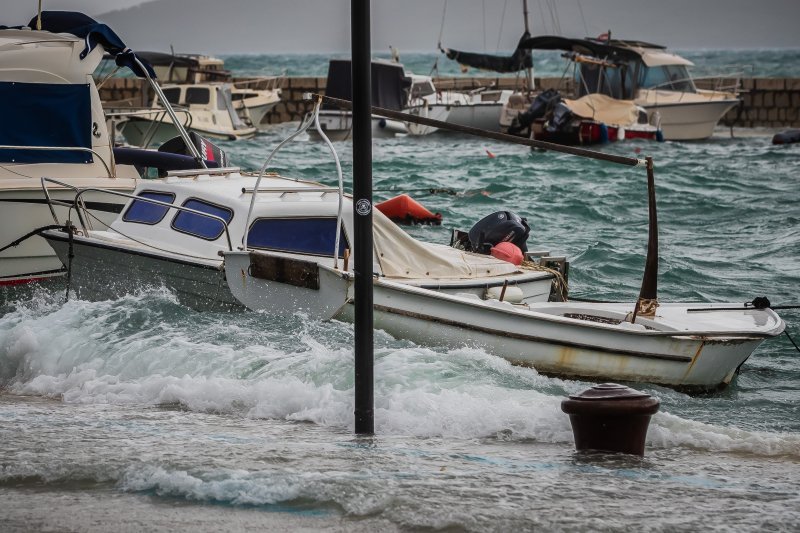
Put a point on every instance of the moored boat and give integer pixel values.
(53, 125)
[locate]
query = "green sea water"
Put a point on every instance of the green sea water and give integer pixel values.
(144, 414)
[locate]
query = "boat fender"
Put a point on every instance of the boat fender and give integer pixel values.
(382, 123)
(787, 137)
(513, 294)
(603, 133)
(620, 133)
(507, 251)
(660, 135)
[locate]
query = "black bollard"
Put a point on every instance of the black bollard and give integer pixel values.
(610, 418)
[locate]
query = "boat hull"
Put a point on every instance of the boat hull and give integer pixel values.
(691, 119)
(26, 210)
(104, 270)
(338, 126)
(142, 132)
(555, 348)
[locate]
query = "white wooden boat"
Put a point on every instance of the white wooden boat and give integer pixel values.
(675, 347)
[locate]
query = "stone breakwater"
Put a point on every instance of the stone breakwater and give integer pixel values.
(766, 102)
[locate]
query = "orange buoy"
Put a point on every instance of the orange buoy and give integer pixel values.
(507, 251)
(490, 154)
(403, 209)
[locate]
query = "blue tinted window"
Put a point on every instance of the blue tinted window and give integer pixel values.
(146, 212)
(315, 236)
(198, 225)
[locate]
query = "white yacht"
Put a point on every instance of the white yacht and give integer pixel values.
(649, 76)
(53, 126)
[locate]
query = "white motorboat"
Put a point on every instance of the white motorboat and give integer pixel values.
(398, 90)
(651, 77)
(390, 90)
(179, 242)
(53, 125)
(211, 111)
(477, 109)
(253, 98)
(174, 232)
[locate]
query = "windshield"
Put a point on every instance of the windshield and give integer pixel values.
(667, 77)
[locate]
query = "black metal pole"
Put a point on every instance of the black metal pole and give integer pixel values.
(469, 130)
(362, 200)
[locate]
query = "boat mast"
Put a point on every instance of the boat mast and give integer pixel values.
(527, 30)
(362, 214)
(648, 295)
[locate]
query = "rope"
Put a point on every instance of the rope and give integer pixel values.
(792, 340)
(29, 235)
(559, 281)
(70, 255)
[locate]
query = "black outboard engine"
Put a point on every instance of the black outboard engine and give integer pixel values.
(561, 119)
(539, 107)
(498, 227)
(212, 153)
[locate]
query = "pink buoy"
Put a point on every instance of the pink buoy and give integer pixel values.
(507, 251)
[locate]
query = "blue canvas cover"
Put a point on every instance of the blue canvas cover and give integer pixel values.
(43, 114)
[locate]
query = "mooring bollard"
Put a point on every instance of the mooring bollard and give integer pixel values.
(610, 418)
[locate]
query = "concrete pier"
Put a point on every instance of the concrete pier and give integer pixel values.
(767, 102)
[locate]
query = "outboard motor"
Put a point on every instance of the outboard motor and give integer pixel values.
(502, 226)
(539, 107)
(561, 119)
(210, 151)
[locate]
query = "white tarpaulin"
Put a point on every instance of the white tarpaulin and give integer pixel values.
(399, 255)
(605, 109)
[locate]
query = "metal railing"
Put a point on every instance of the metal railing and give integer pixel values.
(78, 204)
(61, 148)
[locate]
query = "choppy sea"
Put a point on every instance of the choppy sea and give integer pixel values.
(139, 414)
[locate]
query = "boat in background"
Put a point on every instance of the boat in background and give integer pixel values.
(210, 111)
(648, 76)
(253, 98)
(53, 125)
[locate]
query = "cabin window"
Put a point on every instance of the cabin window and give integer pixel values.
(313, 236)
(199, 225)
(669, 77)
(173, 95)
(143, 212)
(197, 95)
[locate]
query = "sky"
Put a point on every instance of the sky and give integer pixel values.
(281, 26)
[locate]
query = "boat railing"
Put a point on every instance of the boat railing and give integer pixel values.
(79, 204)
(312, 118)
(264, 83)
(730, 82)
(61, 149)
(156, 117)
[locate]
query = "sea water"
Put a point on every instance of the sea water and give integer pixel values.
(141, 414)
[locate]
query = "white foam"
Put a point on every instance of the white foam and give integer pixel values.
(88, 353)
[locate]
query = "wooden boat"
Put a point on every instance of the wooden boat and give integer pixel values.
(676, 347)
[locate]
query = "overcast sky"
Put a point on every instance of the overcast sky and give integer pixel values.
(278, 26)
